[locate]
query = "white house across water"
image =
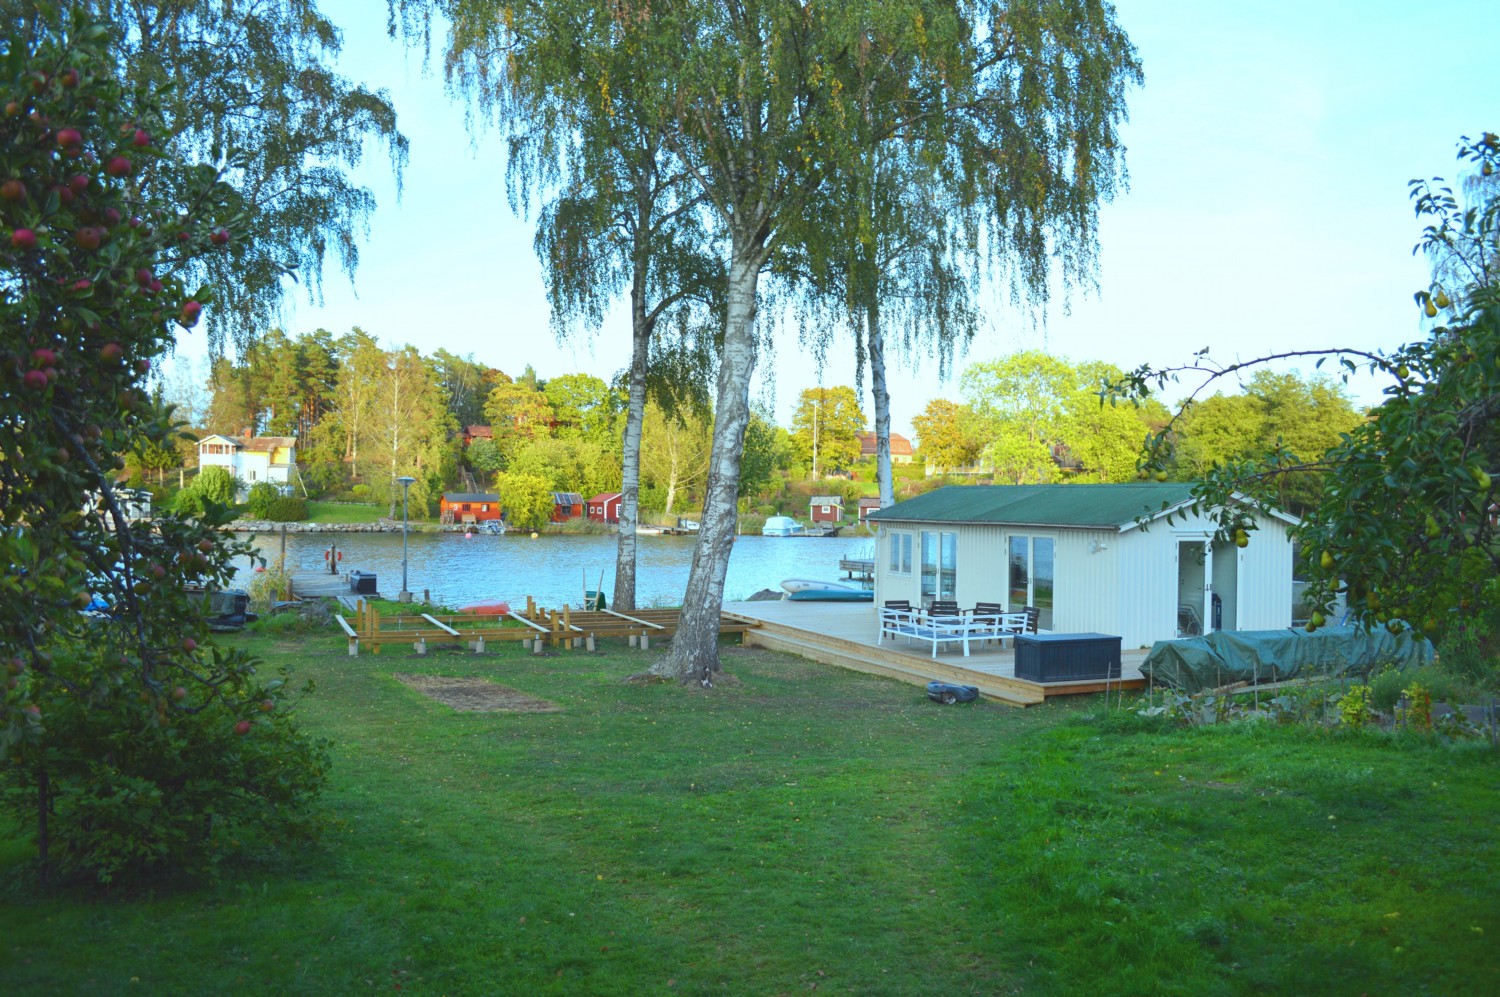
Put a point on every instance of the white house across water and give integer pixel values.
(1130, 559)
(252, 459)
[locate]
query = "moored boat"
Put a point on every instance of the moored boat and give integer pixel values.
(811, 590)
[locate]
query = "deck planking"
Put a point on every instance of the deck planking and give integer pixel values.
(846, 635)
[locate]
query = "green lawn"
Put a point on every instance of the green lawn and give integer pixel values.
(806, 828)
(344, 512)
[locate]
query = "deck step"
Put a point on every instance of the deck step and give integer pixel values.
(902, 667)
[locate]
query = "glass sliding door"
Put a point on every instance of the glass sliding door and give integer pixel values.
(929, 567)
(948, 566)
(1032, 576)
(939, 566)
(1042, 572)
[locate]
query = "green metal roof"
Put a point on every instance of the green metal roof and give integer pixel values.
(1096, 506)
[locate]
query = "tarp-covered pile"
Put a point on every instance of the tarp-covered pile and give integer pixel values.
(1193, 664)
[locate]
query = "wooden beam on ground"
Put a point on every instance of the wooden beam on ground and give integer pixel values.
(536, 642)
(352, 634)
(441, 626)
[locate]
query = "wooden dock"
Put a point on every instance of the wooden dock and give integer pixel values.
(321, 585)
(845, 635)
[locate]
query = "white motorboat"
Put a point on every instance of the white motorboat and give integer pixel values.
(815, 590)
(781, 526)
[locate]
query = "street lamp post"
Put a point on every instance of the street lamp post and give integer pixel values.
(406, 481)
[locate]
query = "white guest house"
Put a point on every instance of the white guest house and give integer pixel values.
(1129, 560)
(252, 459)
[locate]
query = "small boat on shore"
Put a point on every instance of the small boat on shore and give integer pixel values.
(810, 590)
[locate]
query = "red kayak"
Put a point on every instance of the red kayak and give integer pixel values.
(487, 609)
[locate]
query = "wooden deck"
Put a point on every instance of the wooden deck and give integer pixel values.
(320, 584)
(845, 634)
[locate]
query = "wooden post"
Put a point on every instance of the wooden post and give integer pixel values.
(479, 646)
(421, 646)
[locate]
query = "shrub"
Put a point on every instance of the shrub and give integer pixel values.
(258, 502)
(360, 492)
(287, 509)
(268, 586)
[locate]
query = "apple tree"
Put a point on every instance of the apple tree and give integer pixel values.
(128, 742)
(1408, 526)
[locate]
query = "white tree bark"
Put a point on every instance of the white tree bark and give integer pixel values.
(695, 648)
(876, 347)
(630, 478)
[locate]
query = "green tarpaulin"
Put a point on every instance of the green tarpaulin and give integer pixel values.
(1193, 664)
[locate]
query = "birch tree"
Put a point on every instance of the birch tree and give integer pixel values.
(408, 431)
(573, 85)
(674, 455)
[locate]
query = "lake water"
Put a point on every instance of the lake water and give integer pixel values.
(553, 568)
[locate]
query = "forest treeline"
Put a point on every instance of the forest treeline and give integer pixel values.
(363, 415)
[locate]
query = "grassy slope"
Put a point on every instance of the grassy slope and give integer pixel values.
(806, 827)
(344, 512)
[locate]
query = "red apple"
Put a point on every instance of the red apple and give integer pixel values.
(242, 728)
(119, 166)
(68, 78)
(23, 239)
(179, 694)
(43, 357)
(158, 571)
(34, 710)
(111, 352)
(142, 138)
(267, 705)
(35, 380)
(69, 138)
(206, 546)
(79, 182)
(220, 237)
(51, 373)
(87, 237)
(143, 366)
(13, 190)
(144, 277)
(188, 317)
(112, 216)
(82, 284)
(12, 108)
(189, 645)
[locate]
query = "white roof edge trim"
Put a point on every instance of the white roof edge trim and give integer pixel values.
(1239, 497)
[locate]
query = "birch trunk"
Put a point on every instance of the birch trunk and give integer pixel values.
(695, 648)
(876, 348)
(630, 477)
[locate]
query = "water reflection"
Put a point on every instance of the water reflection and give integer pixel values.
(555, 568)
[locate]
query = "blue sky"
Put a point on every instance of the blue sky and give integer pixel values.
(1268, 152)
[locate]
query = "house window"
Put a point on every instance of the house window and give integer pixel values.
(939, 565)
(1031, 576)
(466, 507)
(901, 553)
(484, 507)
(252, 475)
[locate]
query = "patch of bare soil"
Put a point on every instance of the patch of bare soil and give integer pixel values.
(474, 695)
